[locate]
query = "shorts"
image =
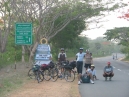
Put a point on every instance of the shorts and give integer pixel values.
(105, 75)
(87, 65)
(79, 66)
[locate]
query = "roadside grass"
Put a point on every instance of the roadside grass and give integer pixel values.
(12, 80)
(4, 64)
(9, 84)
(126, 59)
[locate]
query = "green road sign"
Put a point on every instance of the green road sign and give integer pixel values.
(23, 33)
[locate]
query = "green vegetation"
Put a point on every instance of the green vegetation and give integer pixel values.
(12, 81)
(101, 47)
(126, 59)
(50, 20)
(121, 36)
(68, 38)
(8, 84)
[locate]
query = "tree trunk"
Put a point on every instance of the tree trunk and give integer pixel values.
(32, 52)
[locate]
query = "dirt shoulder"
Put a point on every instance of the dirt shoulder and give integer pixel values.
(60, 88)
(18, 84)
(123, 59)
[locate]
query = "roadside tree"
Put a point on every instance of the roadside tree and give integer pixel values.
(44, 14)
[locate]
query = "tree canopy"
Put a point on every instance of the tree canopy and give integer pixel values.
(68, 37)
(125, 14)
(49, 17)
(120, 35)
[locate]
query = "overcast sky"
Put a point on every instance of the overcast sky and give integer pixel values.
(113, 21)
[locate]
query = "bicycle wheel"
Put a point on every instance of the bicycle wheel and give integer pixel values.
(39, 76)
(69, 75)
(31, 74)
(54, 74)
(57, 70)
(47, 75)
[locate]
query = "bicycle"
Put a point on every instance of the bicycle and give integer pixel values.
(31, 73)
(45, 71)
(35, 73)
(50, 72)
(68, 72)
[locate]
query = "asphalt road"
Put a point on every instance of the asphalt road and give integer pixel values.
(118, 87)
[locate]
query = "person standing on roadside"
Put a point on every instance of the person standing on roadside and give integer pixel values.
(61, 57)
(113, 57)
(88, 60)
(79, 58)
(116, 56)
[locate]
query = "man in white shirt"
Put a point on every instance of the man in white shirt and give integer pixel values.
(79, 58)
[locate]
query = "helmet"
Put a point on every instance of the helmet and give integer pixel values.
(81, 48)
(87, 50)
(92, 65)
(62, 49)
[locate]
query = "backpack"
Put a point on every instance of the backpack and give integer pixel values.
(44, 67)
(35, 68)
(85, 78)
(51, 65)
(73, 64)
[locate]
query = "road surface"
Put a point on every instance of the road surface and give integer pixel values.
(118, 87)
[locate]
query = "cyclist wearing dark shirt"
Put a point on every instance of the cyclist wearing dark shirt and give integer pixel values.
(61, 57)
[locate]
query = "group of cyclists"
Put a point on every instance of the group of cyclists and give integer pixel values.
(89, 67)
(87, 56)
(79, 62)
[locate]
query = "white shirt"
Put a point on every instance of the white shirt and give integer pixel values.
(80, 56)
(92, 72)
(108, 69)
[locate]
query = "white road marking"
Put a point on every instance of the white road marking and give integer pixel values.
(119, 69)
